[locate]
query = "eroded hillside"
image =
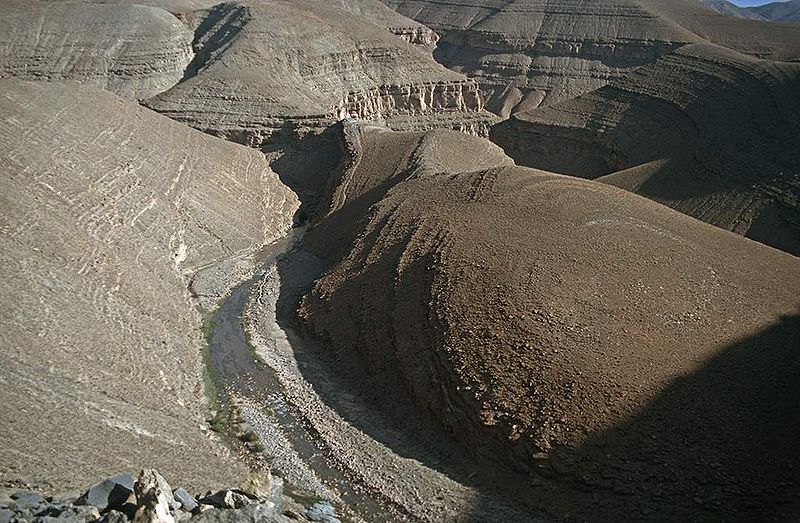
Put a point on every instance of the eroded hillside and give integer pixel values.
(528, 53)
(266, 69)
(705, 130)
(570, 351)
(131, 50)
(107, 208)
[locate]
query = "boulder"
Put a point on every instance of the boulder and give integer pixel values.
(227, 499)
(24, 500)
(322, 511)
(111, 493)
(113, 516)
(187, 501)
(259, 485)
(153, 496)
(257, 512)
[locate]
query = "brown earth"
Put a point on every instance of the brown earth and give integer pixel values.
(705, 130)
(523, 310)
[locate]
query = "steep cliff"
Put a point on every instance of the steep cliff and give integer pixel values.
(131, 50)
(522, 311)
(107, 209)
(527, 53)
(267, 68)
(705, 130)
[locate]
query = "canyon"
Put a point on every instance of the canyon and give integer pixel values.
(525, 260)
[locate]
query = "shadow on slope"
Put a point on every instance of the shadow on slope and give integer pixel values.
(719, 444)
(380, 405)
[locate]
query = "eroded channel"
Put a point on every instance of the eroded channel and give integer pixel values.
(318, 427)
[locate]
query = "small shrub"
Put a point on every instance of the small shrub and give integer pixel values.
(217, 423)
(249, 437)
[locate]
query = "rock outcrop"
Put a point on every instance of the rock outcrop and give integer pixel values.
(108, 208)
(270, 68)
(527, 53)
(131, 50)
(523, 311)
(705, 130)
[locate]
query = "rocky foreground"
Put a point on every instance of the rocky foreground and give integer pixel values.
(148, 498)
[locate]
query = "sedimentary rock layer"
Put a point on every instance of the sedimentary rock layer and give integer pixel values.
(107, 208)
(272, 67)
(527, 53)
(523, 312)
(705, 130)
(131, 50)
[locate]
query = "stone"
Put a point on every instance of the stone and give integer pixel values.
(71, 514)
(111, 493)
(113, 516)
(258, 485)
(25, 500)
(227, 499)
(322, 511)
(187, 501)
(256, 513)
(6, 515)
(153, 495)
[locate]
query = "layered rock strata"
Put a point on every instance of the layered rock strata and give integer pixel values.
(705, 130)
(527, 53)
(268, 69)
(108, 208)
(131, 50)
(522, 311)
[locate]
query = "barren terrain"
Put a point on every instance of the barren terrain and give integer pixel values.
(571, 351)
(107, 207)
(705, 130)
(481, 260)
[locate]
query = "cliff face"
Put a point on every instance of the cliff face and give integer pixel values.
(528, 53)
(107, 210)
(131, 50)
(570, 350)
(705, 130)
(272, 68)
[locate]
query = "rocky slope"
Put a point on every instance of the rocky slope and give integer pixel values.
(270, 68)
(705, 130)
(131, 50)
(527, 53)
(108, 208)
(779, 11)
(729, 8)
(658, 378)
